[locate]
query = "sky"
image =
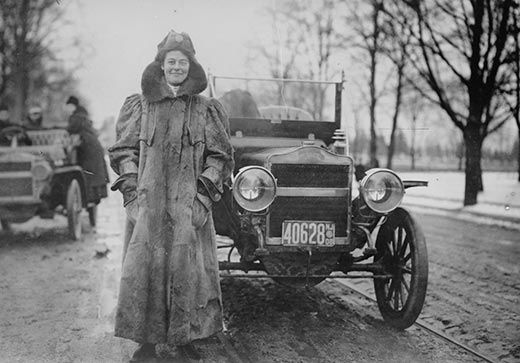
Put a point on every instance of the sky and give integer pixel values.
(123, 36)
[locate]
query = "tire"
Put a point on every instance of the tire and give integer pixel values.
(401, 249)
(74, 207)
(92, 215)
(6, 226)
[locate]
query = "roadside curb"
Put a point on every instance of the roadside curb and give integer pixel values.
(470, 216)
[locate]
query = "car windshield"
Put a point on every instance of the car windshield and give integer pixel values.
(275, 99)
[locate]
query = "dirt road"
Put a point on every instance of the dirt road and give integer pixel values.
(58, 299)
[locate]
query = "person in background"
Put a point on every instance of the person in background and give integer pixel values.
(173, 154)
(91, 155)
(5, 117)
(34, 118)
(10, 131)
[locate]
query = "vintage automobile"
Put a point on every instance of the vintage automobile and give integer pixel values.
(293, 210)
(42, 178)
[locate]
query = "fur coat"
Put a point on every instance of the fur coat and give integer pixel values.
(170, 289)
(91, 155)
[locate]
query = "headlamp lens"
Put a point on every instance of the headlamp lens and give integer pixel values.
(382, 190)
(254, 188)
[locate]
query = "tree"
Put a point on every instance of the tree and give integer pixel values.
(30, 64)
(513, 101)
(367, 25)
(462, 59)
(395, 47)
(414, 106)
(301, 47)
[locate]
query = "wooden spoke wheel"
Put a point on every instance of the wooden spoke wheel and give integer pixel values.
(401, 249)
(74, 207)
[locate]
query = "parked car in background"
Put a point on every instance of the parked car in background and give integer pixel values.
(39, 176)
(291, 210)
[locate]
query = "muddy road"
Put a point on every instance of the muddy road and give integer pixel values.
(58, 298)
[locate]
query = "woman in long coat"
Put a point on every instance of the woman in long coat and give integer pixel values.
(91, 154)
(173, 154)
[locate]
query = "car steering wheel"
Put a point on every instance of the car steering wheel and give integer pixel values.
(8, 133)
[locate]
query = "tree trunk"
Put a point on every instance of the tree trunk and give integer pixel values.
(473, 142)
(461, 155)
(21, 71)
(399, 86)
(373, 50)
(412, 146)
(518, 154)
(373, 136)
(480, 183)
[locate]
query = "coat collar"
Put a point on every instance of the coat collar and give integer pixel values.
(155, 88)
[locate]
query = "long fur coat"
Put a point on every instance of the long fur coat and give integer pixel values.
(170, 291)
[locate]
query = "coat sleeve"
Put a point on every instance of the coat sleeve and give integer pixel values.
(218, 162)
(124, 154)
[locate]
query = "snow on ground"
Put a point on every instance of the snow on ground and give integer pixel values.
(500, 198)
(501, 188)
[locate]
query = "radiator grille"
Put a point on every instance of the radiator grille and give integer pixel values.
(16, 187)
(308, 209)
(311, 175)
(15, 166)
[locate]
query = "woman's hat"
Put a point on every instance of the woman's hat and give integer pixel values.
(175, 41)
(196, 81)
(72, 100)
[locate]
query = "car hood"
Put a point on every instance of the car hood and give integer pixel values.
(257, 150)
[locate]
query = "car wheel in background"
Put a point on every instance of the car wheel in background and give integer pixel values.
(74, 207)
(401, 249)
(6, 226)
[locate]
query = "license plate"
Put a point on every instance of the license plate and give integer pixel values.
(298, 233)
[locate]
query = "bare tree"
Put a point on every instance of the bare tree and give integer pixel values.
(29, 64)
(302, 45)
(397, 40)
(415, 105)
(461, 57)
(512, 98)
(367, 27)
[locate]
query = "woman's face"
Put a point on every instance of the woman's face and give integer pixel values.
(175, 67)
(35, 113)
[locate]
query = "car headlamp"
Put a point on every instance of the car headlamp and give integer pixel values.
(254, 188)
(382, 190)
(41, 171)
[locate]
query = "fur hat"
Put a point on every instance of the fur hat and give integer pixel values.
(153, 83)
(72, 100)
(175, 41)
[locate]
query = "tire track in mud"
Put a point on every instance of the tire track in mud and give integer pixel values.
(275, 323)
(473, 291)
(422, 324)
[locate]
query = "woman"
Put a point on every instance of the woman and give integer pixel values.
(91, 155)
(173, 154)
(34, 119)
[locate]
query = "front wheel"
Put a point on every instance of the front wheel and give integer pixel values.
(401, 249)
(74, 207)
(6, 226)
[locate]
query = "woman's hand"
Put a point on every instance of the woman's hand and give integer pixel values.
(132, 210)
(200, 210)
(127, 185)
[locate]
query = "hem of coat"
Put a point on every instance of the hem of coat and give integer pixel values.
(141, 340)
(138, 339)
